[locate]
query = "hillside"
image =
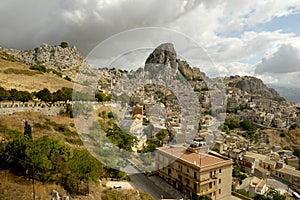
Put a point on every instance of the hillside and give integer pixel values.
(17, 75)
(248, 99)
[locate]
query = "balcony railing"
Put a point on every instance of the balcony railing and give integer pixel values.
(208, 191)
(209, 180)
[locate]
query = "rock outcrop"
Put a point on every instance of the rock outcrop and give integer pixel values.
(251, 85)
(165, 54)
(66, 60)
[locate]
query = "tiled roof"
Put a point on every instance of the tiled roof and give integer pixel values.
(202, 160)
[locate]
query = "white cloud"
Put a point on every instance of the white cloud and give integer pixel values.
(282, 68)
(285, 60)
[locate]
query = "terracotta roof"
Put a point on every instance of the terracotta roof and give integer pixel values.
(202, 160)
(262, 183)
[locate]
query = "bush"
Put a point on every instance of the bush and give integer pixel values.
(15, 95)
(100, 96)
(44, 95)
(247, 125)
(146, 196)
(232, 123)
(7, 56)
(293, 126)
(282, 134)
(64, 45)
(110, 115)
(57, 73)
(67, 78)
(39, 67)
(243, 192)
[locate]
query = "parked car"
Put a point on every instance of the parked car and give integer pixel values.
(118, 187)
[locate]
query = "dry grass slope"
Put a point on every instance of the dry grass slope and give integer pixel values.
(17, 75)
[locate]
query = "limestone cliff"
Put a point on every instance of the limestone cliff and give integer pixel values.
(165, 54)
(66, 60)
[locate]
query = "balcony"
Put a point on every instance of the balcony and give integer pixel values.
(209, 180)
(208, 191)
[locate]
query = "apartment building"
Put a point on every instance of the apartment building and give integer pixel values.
(288, 174)
(194, 172)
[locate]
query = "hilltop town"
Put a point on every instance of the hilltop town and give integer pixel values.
(196, 133)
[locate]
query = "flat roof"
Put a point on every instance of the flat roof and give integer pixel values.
(290, 171)
(200, 160)
(261, 157)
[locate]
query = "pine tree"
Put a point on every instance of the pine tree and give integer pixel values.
(28, 130)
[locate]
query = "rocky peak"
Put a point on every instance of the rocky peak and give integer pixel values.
(165, 54)
(251, 85)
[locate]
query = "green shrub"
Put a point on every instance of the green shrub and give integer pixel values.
(57, 73)
(76, 141)
(39, 67)
(67, 78)
(64, 45)
(7, 56)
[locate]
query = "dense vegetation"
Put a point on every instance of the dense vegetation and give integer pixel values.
(272, 195)
(64, 94)
(121, 138)
(155, 142)
(49, 160)
(100, 96)
(237, 173)
(234, 122)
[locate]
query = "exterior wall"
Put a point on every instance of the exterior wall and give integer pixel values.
(267, 165)
(289, 177)
(187, 178)
(294, 162)
(226, 179)
(248, 164)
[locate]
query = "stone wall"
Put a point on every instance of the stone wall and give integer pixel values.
(7, 108)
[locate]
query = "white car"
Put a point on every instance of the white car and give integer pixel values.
(117, 186)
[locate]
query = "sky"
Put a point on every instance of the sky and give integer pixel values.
(257, 38)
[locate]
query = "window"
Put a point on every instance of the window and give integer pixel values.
(169, 171)
(220, 170)
(187, 170)
(219, 191)
(195, 175)
(220, 181)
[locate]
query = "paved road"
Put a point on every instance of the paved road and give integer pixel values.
(142, 183)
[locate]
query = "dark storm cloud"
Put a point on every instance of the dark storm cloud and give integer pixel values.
(84, 23)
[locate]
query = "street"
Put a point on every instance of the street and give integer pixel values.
(142, 183)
